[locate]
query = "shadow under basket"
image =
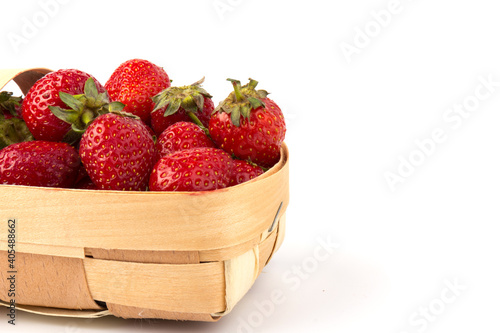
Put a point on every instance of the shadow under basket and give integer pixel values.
(166, 255)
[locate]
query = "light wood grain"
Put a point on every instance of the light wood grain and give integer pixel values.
(180, 288)
(177, 255)
(47, 281)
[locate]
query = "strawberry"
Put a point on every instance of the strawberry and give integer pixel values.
(182, 136)
(118, 152)
(249, 125)
(83, 180)
(12, 128)
(243, 171)
(51, 94)
(39, 163)
(85, 184)
(186, 103)
(199, 169)
(134, 83)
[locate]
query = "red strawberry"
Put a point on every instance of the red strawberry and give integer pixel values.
(39, 163)
(182, 136)
(47, 95)
(118, 152)
(86, 184)
(134, 83)
(249, 125)
(186, 103)
(199, 169)
(243, 171)
(83, 180)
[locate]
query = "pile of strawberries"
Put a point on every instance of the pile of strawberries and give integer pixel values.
(136, 133)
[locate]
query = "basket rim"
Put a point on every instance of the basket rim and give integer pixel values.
(284, 157)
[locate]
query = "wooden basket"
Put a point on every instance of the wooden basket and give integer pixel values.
(177, 255)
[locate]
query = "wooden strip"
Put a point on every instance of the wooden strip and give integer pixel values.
(175, 221)
(229, 252)
(47, 281)
(49, 250)
(57, 312)
(155, 257)
(129, 312)
(197, 288)
(266, 249)
(240, 274)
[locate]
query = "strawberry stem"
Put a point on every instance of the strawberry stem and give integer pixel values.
(87, 117)
(237, 90)
(197, 121)
(252, 84)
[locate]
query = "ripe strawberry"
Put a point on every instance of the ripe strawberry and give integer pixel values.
(118, 152)
(243, 171)
(199, 169)
(39, 163)
(249, 125)
(134, 83)
(83, 180)
(182, 136)
(186, 103)
(50, 94)
(12, 128)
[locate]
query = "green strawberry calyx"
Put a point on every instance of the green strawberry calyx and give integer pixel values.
(242, 100)
(191, 98)
(83, 109)
(13, 130)
(9, 103)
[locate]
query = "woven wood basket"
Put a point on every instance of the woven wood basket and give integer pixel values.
(180, 255)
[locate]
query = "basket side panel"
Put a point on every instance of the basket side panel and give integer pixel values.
(48, 281)
(197, 288)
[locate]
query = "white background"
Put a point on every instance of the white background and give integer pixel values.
(351, 120)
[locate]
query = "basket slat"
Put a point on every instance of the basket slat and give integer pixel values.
(177, 288)
(157, 257)
(47, 281)
(135, 312)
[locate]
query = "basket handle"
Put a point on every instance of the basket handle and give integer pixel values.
(24, 78)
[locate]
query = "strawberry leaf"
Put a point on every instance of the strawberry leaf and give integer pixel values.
(172, 107)
(255, 102)
(189, 104)
(245, 111)
(90, 89)
(199, 101)
(71, 101)
(235, 116)
(115, 106)
(68, 116)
